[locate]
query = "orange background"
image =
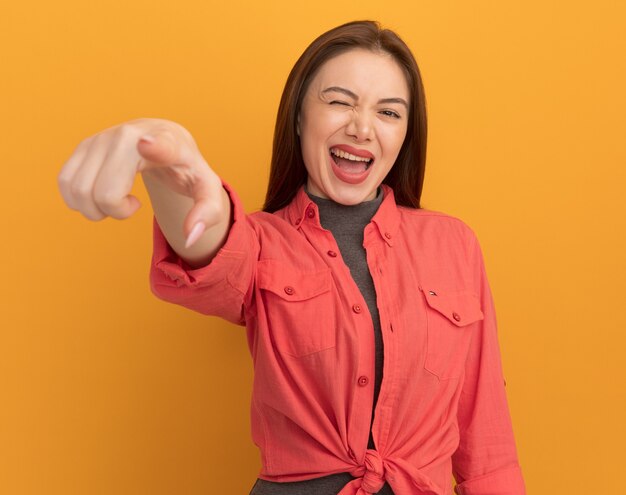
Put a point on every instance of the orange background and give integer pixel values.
(105, 389)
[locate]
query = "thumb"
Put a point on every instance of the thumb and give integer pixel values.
(211, 207)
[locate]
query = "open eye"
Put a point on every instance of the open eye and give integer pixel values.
(390, 113)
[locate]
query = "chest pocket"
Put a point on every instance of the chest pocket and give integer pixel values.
(449, 315)
(299, 308)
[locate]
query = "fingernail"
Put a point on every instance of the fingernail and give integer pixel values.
(195, 234)
(148, 138)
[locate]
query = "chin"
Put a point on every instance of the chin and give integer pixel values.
(352, 197)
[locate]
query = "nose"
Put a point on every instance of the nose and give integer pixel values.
(360, 127)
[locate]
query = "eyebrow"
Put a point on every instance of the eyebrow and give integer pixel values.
(354, 96)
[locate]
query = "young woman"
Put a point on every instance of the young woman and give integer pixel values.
(369, 319)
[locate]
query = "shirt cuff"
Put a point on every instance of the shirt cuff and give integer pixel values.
(507, 481)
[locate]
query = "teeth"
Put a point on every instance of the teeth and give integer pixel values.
(348, 156)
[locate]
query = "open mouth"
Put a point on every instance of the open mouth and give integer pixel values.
(349, 163)
(349, 168)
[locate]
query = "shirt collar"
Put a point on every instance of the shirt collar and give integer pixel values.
(387, 218)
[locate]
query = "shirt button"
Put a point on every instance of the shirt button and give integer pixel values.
(456, 316)
(289, 290)
(332, 254)
(363, 380)
(310, 213)
(356, 308)
(387, 235)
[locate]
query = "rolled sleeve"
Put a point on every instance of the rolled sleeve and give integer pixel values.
(486, 461)
(220, 287)
(507, 481)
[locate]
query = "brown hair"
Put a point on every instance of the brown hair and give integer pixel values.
(288, 172)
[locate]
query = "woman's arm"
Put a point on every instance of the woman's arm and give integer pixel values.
(189, 202)
(486, 461)
(220, 288)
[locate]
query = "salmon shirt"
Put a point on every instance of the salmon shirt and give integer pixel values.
(442, 409)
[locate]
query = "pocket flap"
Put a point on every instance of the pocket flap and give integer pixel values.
(461, 307)
(289, 284)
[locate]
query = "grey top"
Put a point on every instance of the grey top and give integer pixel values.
(347, 224)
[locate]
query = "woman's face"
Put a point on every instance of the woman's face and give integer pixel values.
(352, 125)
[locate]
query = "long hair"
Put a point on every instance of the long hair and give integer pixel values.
(288, 172)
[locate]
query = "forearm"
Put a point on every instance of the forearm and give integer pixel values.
(170, 209)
